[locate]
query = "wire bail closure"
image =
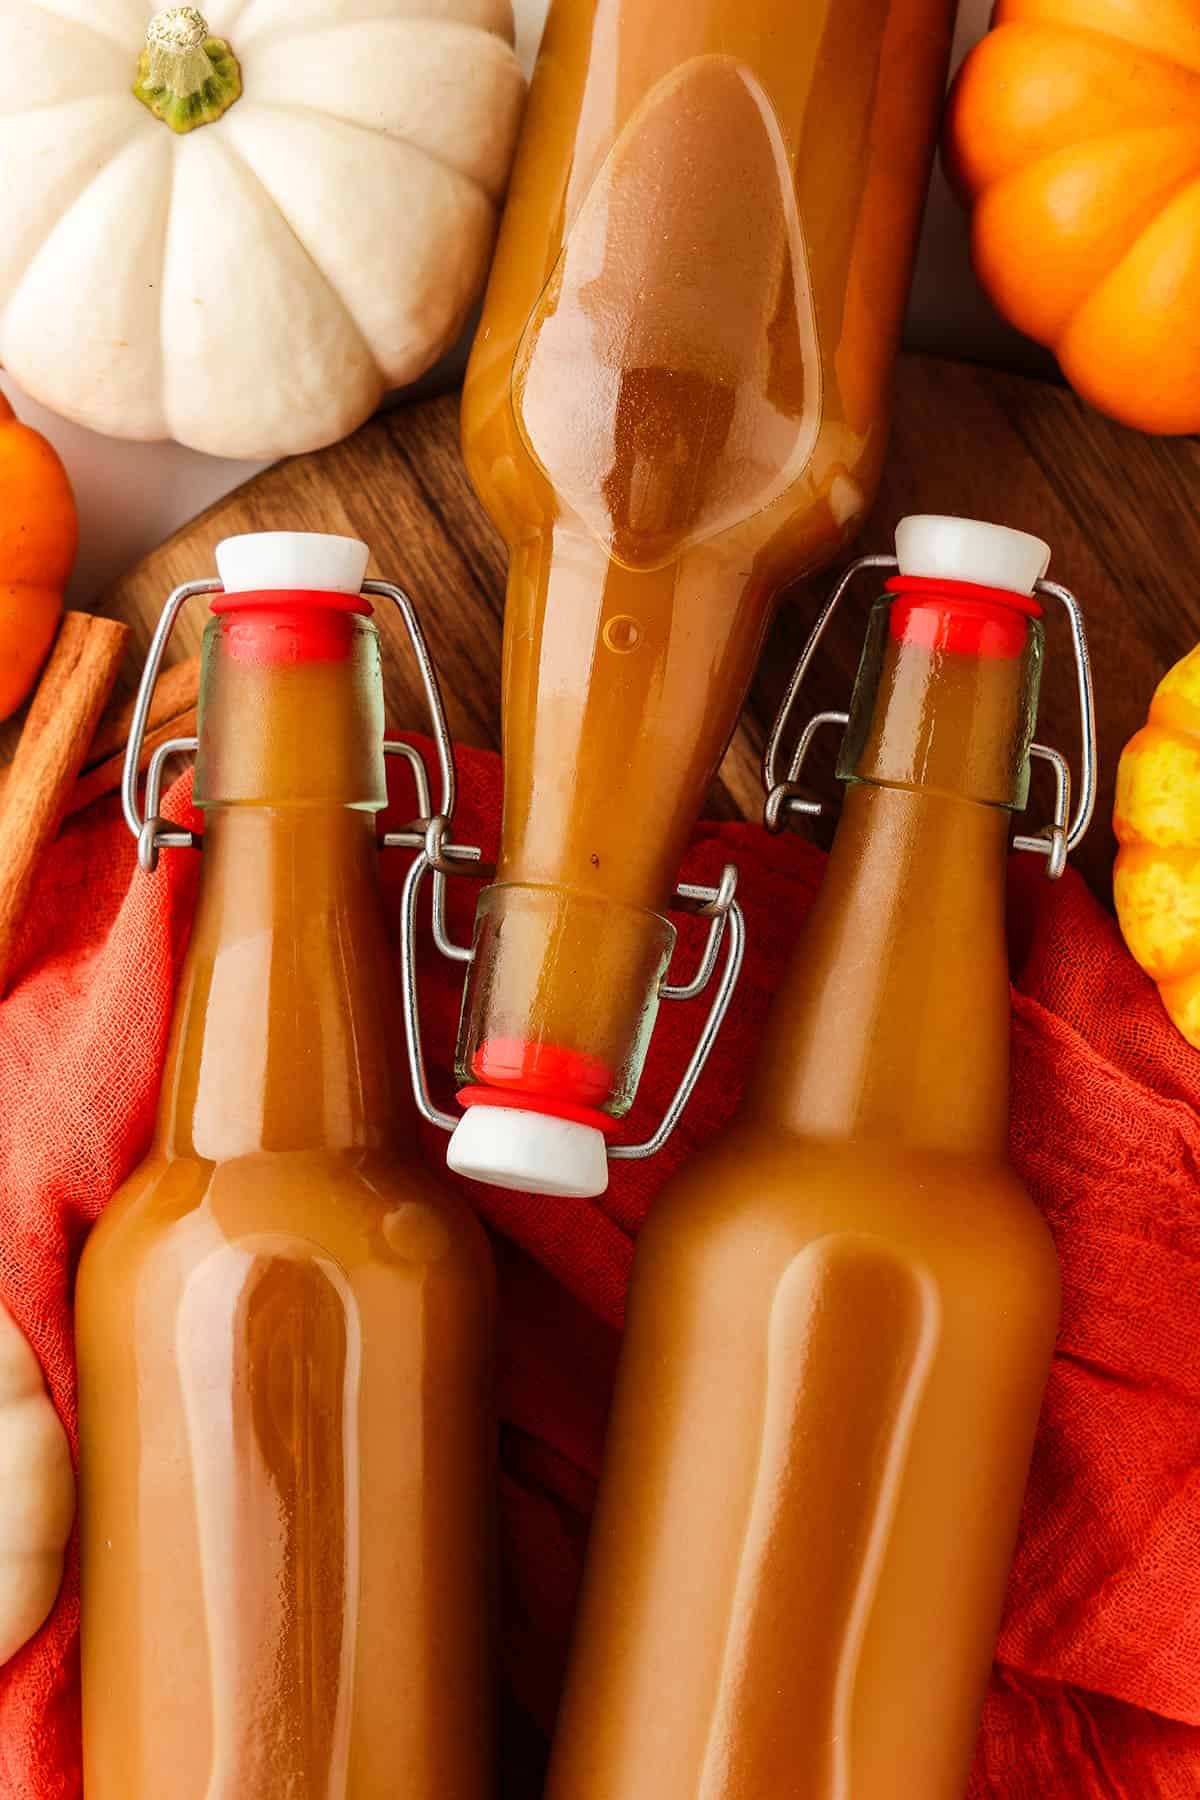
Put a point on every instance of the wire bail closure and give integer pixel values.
(719, 905)
(1066, 829)
(154, 835)
(430, 835)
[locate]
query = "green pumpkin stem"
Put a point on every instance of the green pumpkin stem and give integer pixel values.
(186, 77)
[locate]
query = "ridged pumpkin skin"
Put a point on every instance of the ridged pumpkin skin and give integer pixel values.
(1074, 131)
(250, 264)
(39, 535)
(1156, 882)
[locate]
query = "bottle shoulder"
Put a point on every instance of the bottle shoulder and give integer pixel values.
(354, 1210)
(965, 1221)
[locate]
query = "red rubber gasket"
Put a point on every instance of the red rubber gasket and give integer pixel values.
(961, 617)
(254, 599)
(538, 1103)
(276, 627)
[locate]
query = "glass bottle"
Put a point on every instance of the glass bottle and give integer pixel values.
(676, 403)
(842, 1315)
(284, 1321)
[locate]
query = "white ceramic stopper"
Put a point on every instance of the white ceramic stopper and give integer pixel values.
(532, 1152)
(292, 559)
(939, 547)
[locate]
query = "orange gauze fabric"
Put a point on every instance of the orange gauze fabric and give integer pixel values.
(1096, 1694)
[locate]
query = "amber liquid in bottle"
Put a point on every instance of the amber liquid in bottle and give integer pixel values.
(841, 1320)
(284, 1321)
(676, 403)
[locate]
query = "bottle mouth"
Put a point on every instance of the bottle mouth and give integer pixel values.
(532, 1067)
(532, 1119)
(270, 627)
(961, 618)
(547, 1078)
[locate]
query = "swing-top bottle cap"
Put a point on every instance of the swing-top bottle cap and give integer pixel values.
(292, 561)
(289, 596)
(532, 1152)
(938, 547)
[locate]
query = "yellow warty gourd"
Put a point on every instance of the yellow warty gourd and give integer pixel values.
(1156, 882)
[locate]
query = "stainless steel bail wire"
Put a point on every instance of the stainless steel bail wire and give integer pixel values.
(430, 836)
(1060, 839)
(153, 835)
(1064, 832)
(149, 831)
(719, 905)
(781, 799)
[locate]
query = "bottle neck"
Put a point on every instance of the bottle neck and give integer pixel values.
(284, 1035)
(893, 1024)
(621, 687)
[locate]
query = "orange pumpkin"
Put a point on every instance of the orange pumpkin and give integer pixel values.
(39, 535)
(1074, 131)
(1156, 882)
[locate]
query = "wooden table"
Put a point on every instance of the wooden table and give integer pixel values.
(1121, 511)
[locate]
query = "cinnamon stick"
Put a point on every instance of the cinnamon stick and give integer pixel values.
(175, 693)
(172, 714)
(72, 694)
(100, 778)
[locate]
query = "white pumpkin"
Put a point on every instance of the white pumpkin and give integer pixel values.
(37, 1493)
(247, 268)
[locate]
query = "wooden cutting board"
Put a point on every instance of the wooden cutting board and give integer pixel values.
(1121, 511)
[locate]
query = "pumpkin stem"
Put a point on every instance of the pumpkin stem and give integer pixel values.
(186, 77)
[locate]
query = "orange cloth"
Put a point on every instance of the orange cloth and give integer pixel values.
(1096, 1694)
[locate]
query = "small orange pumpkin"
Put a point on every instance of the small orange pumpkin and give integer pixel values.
(1156, 882)
(39, 535)
(1074, 131)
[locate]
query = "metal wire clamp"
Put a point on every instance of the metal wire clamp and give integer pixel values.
(1066, 829)
(719, 905)
(437, 855)
(153, 834)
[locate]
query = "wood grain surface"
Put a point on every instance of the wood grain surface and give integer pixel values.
(1121, 511)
